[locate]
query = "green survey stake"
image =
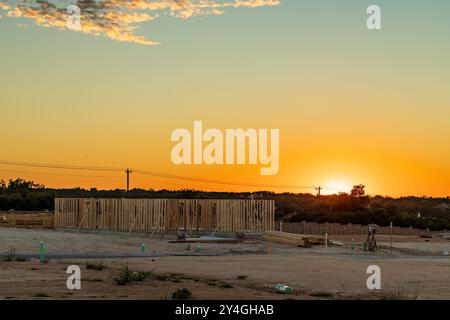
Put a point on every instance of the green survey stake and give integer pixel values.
(42, 251)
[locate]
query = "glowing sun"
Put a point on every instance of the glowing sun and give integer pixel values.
(336, 186)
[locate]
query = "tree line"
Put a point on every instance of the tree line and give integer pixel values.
(355, 207)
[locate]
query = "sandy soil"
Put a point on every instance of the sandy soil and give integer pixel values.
(33, 280)
(58, 243)
(405, 244)
(315, 273)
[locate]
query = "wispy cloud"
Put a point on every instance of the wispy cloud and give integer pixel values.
(117, 19)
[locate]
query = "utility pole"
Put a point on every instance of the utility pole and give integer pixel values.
(128, 171)
(318, 190)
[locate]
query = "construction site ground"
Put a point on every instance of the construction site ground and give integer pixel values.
(416, 268)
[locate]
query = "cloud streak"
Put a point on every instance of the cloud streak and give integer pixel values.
(118, 19)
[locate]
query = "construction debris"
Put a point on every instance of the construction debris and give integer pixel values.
(446, 236)
(336, 243)
(301, 240)
(205, 239)
(284, 289)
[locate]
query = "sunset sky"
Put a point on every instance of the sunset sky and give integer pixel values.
(352, 105)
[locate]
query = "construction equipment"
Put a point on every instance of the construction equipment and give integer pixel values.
(371, 243)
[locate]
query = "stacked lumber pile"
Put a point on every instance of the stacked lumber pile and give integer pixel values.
(446, 236)
(313, 239)
(300, 240)
(4, 221)
(27, 220)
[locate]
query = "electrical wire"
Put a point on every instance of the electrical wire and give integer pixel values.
(157, 174)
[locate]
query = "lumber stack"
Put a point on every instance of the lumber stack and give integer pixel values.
(288, 238)
(35, 220)
(313, 239)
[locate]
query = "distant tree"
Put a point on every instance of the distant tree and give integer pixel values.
(358, 191)
(355, 207)
(21, 185)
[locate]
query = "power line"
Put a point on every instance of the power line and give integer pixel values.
(62, 174)
(185, 185)
(242, 184)
(57, 166)
(156, 174)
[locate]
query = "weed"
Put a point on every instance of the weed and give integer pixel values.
(322, 294)
(40, 295)
(392, 295)
(181, 294)
(96, 266)
(11, 256)
(141, 275)
(11, 253)
(122, 276)
(160, 277)
(225, 285)
(21, 259)
(401, 294)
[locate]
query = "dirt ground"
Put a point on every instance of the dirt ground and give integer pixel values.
(248, 270)
(405, 244)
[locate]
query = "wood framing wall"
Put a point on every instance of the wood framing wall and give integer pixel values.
(150, 215)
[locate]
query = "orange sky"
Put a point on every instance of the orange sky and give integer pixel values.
(353, 106)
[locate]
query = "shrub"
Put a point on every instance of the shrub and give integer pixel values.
(225, 285)
(123, 276)
(181, 294)
(96, 266)
(11, 256)
(40, 295)
(322, 294)
(140, 275)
